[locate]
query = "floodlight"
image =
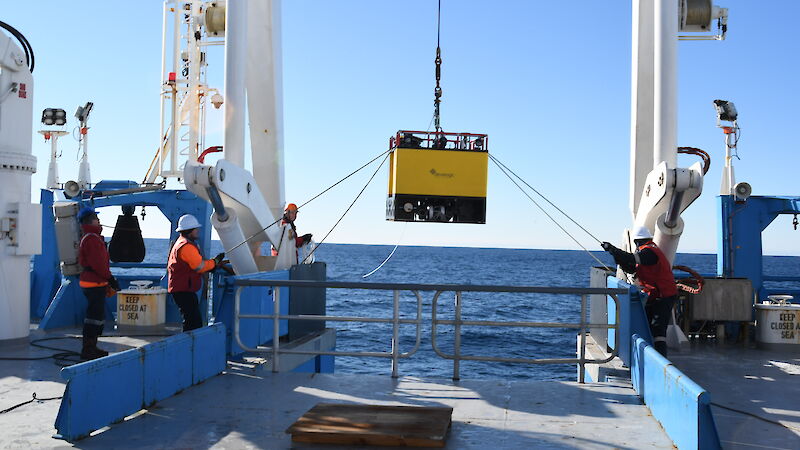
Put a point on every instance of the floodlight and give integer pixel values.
(725, 110)
(82, 114)
(54, 116)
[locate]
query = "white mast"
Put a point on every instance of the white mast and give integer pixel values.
(665, 69)
(265, 100)
(246, 206)
(235, 60)
(661, 191)
(52, 170)
(193, 27)
(20, 221)
(84, 169)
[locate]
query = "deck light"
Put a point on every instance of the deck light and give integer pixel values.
(54, 116)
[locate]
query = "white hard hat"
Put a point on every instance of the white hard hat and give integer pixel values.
(187, 222)
(641, 233)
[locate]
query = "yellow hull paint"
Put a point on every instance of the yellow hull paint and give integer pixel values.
(438, 172)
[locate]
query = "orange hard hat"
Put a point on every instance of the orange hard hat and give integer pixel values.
(290, 207)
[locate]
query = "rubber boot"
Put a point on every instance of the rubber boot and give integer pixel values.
(90, 350)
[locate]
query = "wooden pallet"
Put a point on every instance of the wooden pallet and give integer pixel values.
(411, 426)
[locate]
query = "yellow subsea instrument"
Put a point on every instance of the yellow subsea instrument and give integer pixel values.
(437, 177)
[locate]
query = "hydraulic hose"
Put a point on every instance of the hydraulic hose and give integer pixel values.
(26, 46)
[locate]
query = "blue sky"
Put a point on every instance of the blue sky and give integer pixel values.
(549, 83)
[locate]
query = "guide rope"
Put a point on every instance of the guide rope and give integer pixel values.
(347, 210)
(390, 254)
(313, 198)
(503, 169)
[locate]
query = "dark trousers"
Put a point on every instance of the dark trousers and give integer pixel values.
(659, 311)
(190, 309)
(95, 311)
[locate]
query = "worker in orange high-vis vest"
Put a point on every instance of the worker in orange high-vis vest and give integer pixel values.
(95, 280)
(654, 272)
(184, 269)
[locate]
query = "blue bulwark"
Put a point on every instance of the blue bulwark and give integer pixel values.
(632, 319)
(45, 272)
(94, 398)
(678, 403)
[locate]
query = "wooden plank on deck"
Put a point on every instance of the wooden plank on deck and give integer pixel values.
(411, 426)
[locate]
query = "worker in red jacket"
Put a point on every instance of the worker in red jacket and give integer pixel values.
(184, 269)
(95, 279)
(654, 272)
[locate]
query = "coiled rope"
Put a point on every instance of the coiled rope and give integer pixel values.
(695, 278)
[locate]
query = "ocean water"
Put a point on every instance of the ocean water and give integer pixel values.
(445, 265)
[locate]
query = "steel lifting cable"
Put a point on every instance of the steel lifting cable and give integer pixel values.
(437, 91)
(313, 198)
(503, 168)
(347, 210)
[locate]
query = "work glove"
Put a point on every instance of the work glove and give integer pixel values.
(608, 247)
(218, 259)
(113, 283)
(306, 238)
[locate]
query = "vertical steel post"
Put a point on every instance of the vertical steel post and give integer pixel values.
(174, 118)
(616, 320)
(457, 339)
(276, 324)
(236, 303)
(193, 79)
(162, 78)
(582, 358)
(395, 333)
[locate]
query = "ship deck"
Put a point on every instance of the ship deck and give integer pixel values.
(761, 382)
(248, 406)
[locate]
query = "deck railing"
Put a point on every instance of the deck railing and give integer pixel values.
(583, 326)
